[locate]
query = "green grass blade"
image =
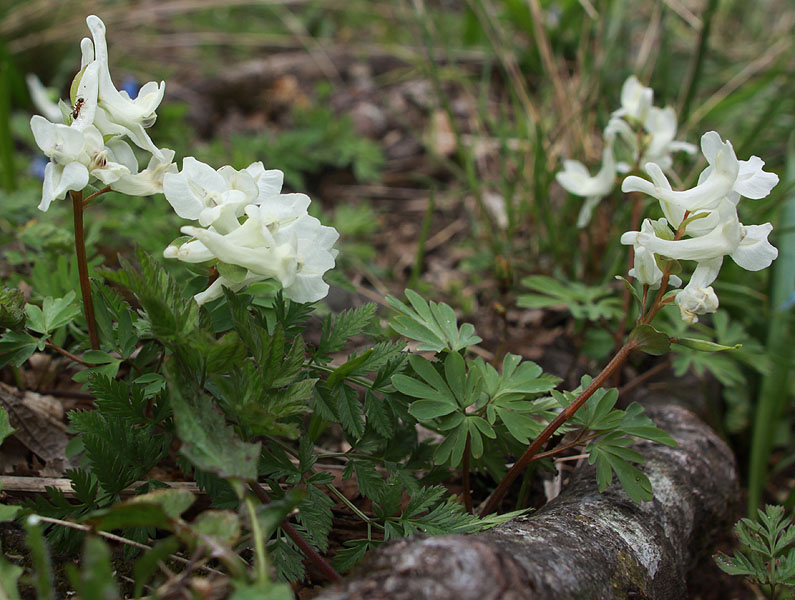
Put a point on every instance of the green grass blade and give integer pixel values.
(773, 392)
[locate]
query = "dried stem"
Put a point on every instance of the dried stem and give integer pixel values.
(117, 538)
(82, 269)
(310, 552)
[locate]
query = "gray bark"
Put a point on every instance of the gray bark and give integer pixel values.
(583, 544)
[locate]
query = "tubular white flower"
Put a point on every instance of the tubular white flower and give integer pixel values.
(202, 194)
(75, 156)
(724, 177)
(117, 113)
(636, 99)
(279, 240)
(754, 252)
(722, 240)
(40, 96)
(576, 179)
(269, 181)
(150, 180)
(660, 125)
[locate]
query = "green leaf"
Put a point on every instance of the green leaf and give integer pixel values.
(16, 347)
(611, 455)
(379, 415)
(432, 324)
(95, 581)
(5, 425)
(337, 329)
(345, 369)
(451, 450)
(352, 552)
(54, 313)
(583, 302)
(234, 273)
(148, 563)
(350, 410)
(208, 442)
(9, 576)
(703, 345)
(649, 340)
(221, 525)
(368, 480)
(12, 308)
(172, 315)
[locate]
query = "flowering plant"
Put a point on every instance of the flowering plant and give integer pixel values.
(637, 133)
(249, 229)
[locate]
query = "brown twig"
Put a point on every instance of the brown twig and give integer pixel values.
(493, 501)
(310, 552)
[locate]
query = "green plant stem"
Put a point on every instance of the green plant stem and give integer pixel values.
(694, 74)
(493, 501)
(259, 543)
(304, 546)
(82, 269)
(68, 354)
(424, 230)
(773, 392)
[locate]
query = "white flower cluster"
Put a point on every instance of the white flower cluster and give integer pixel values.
(253, 230)
(640, 131)
(248, 223)
(709, 211)
(88, 144)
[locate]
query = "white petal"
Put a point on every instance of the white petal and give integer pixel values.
(752, 181)
(711, 144)
(755, 252)
(60, 179)
(307, 288)
(41, 99)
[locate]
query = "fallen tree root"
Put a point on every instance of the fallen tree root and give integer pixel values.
(583, 544)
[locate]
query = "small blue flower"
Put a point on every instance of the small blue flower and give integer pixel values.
(130, 85)
(37, 165)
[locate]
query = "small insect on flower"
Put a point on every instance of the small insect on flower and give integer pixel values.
(78, 105)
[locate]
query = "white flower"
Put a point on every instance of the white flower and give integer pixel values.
(150, 180)
(75, 156)
(660, 125)
(40, 96)
(636, 100)
(279, 240)
(201, 193)
(576, 179)
(698, 297)
(645, 268)
(269, 181)
(724, 177)
(115, 112)
(696, 301)
(724, 239)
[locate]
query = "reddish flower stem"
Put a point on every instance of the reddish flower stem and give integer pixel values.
(308, 550)
(82, 269)
(493, 501)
